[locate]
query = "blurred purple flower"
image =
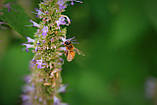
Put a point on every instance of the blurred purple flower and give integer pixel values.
(25, 97)
(27, 79)
(56, 101)
(28, 88)
(27, 103)
(8, 6)
(40, 99)
(62, 89)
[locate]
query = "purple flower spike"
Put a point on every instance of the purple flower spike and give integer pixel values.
(44, 30)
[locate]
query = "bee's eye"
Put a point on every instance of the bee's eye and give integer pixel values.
(66, 42)
(69, 42)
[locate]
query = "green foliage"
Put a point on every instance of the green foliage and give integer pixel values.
(18, 20)
(14, 66)
(119, 40)
(150, 6)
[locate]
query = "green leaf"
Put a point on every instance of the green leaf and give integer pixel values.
(6, 1)
(128, 27)
(150, 7)
(18, 20)
(14, 66)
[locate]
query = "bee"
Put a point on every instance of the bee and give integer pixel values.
(70, 50)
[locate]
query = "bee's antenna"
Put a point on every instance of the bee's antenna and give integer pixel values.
(72, 38)
(28, 25)
(75, 43)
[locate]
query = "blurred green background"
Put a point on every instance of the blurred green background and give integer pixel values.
(119, 39)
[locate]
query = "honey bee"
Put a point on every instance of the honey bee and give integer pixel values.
(70, 50)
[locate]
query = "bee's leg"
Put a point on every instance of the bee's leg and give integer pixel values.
(75, 42)
(66, 53)
(72, 38)
(78, 51)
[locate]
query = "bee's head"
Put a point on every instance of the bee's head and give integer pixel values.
(67, 42)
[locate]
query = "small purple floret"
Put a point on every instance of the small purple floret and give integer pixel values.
(44, 30)
(28, 89)
(62, 89)
(56, 100)
(40, 64)
(61, 4)
(61, 21)
(35, 24)
(25, 97)
(28, 46)
(30, 40)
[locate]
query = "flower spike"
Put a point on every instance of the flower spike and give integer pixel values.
(49, 44)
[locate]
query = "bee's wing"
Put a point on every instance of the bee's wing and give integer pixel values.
(79, 52)
(70, 56)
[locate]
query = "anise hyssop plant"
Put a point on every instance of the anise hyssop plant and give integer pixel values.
(49, 45)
